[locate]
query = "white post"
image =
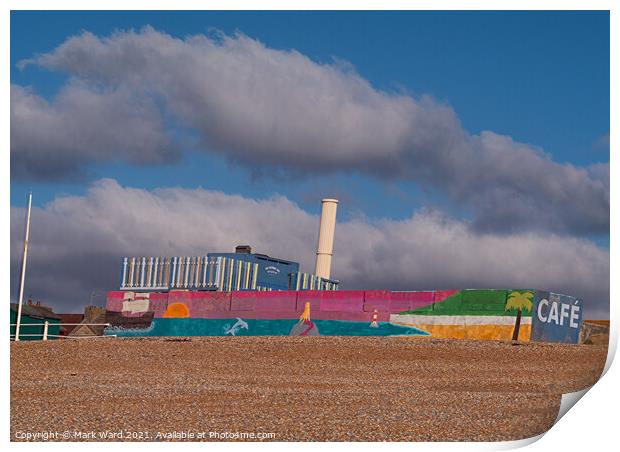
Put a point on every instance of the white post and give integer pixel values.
(45, 327)
(23, 276)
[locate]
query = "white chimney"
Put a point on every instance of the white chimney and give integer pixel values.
(325, 246)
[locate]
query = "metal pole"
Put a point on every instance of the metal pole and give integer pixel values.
(23, 276)
(45, 327)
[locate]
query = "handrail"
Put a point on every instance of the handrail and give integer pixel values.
(66, 337)
(46, 325)
(62, 324)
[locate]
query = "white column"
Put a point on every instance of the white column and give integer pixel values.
(325, 245)
(142, 271)
(124, 277)
(173, 280)
(149, 274)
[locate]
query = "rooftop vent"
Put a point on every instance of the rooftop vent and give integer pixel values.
(243, 249)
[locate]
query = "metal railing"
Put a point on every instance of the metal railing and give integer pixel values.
(45, 334)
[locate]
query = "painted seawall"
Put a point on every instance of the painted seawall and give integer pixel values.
(457, 314)
(263, 327)
(462, 314)
(466, 326)
(351, 305)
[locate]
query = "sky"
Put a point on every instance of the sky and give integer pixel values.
(468, 149)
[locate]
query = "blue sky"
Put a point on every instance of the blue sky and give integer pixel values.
(541, 77)
(468, 149)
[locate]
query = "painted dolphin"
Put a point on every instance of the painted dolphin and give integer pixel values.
(236, 327)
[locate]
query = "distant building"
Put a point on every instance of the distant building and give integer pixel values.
(241, 270)
(32, 322)
(92, 315)
(69, 319)
(80, 324)
(269, 273)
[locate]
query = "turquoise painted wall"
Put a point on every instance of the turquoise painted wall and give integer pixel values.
(260, 327)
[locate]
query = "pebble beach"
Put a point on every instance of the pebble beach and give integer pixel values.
(292, 388)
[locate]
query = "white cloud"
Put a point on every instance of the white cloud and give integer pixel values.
(77, 243)
(82, 125)
(274, 109)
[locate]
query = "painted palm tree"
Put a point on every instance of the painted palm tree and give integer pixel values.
(520, 300)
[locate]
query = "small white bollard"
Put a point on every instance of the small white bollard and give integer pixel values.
(45, 326)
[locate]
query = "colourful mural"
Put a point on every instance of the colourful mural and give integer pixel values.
(239, 325)
(176, 310)
(487, 314)
(520, 299)
(305, 326)
(262, 327)
(490, 302)
(464, 314)
(466, 326)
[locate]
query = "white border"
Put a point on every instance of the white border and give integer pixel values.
(590, 427)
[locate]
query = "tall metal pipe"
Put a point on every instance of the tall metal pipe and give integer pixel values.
(23, 275)
(325, 245)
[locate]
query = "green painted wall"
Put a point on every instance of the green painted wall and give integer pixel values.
(53, 328)
(481, 302)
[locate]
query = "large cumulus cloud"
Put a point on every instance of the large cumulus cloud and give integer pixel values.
(277, 109)
(77, 243)
(53, 140)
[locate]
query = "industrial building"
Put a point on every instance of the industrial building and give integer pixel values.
(241, 270)
(245, 293)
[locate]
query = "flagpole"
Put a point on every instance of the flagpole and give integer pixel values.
(23, 276)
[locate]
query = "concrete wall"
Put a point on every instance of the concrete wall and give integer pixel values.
(262, 327)
(466, 326)
(464, 314)
(354, 305)
(491, 302)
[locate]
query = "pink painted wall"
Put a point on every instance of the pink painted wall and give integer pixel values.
(200, 303)
(264, 301)
(411, 300)
(158, 302)
(313, 296)
(114, 301)
(336, 305)
(441, 295)
(377, 299)
(340, 300)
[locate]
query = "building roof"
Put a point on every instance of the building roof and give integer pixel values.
(70, 318)
(254, 257)
(37, 312)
